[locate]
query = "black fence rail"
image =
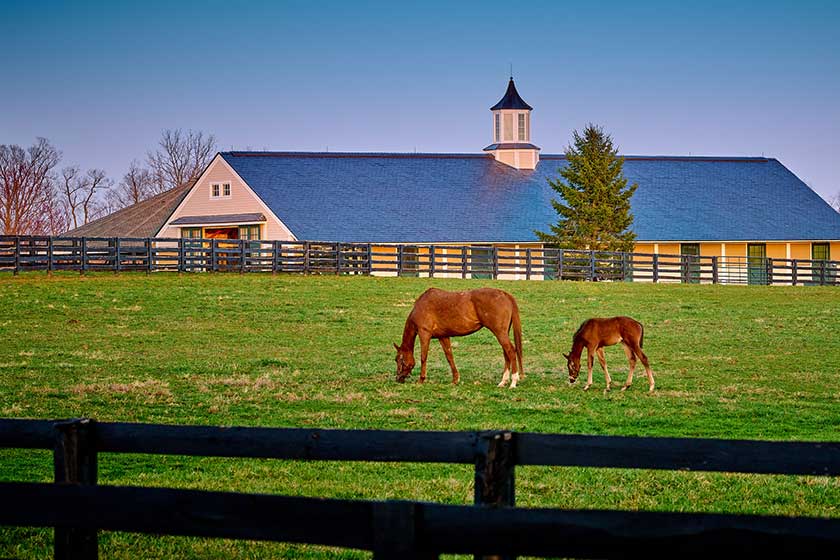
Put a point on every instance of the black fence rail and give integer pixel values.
(82, 254)
(78, 508)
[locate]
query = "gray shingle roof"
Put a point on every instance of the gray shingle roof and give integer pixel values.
(143, 219)
(248, 217)
(471, 197)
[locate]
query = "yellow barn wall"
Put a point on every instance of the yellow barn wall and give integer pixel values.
(710, 249)
(834, 251)
(800, 250)
(643, 248)
(776, 250)
(736, 249)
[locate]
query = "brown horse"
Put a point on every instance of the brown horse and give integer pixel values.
(440, 314)
(594, 334)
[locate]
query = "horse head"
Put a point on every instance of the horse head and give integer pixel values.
(573, 365)
(405, 363)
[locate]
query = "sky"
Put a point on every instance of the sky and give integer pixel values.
(102, 80)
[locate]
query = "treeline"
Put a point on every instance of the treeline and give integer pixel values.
(40, 197)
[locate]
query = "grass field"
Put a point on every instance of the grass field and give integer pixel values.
(730, 362)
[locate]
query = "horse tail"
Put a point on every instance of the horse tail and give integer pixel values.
(642, 336)
(517, 335)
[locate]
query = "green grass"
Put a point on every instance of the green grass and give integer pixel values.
(730, 362)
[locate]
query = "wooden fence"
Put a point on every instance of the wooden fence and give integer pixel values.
(78, 508)
(84, 254)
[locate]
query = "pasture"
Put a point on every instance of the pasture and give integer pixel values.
(730, 362)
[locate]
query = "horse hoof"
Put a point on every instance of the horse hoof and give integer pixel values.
(625, 388)
(502, 384)
(586, 388)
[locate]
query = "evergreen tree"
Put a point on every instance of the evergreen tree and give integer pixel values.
(594, 204)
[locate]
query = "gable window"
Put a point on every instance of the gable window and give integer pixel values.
(820, 252)
(220, 190)
(498, 127)
(521, 127)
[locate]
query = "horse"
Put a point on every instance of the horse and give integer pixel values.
(595, 334)
(440, 314)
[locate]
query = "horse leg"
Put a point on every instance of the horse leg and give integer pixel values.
(603, 361)
(638, 351)
(631, 357)
(447, 349)
(589, 359)
(510, 360)
(424, 353)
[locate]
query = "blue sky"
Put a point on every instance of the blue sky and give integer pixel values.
(102, 79)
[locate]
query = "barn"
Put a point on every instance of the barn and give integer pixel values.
(729, 207)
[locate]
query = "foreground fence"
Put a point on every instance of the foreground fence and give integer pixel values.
(84, 254)
(78, 508)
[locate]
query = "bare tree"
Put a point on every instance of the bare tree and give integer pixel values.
(181, 158)
(136, 185)
(27, 198)
(80, 194)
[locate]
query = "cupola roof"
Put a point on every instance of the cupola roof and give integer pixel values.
(511, 99)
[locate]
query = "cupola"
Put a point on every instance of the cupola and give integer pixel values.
(512, 131)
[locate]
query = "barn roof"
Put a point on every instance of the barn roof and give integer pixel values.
(143, 219)
(473, 198)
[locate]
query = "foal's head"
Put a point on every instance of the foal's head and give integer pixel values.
(573, 365)
(405, 363)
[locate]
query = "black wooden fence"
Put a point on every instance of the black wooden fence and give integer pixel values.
(82, 254)
(78, 508)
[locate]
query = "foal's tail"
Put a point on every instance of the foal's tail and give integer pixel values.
(517, 335)
(642, 336)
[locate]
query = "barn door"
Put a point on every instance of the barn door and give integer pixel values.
(757, 263)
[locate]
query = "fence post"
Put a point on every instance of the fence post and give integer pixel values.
(182, 265)
(369, 251)
(241, 256)
(494, 471)
(306, 257)
(116, 255)
(495, 263)
(49, 256)
(592, 275)
(463, 261)
(149, 258)
(274, 257)
(339, 259)
(74, 460)
(793, 271)
(17, 255)
(395, 531)
(714, 270)
(83, 256)
(822, 273)
(769, 264)
(431, 261)
(655, 269)
(560, 262)
(399, 260)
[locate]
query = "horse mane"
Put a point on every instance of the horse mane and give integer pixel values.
(580, 329)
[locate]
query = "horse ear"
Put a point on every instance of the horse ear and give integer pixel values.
(566, 356)
(397, 348)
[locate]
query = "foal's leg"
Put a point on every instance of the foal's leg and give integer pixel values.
(637, 350)
(425, 338)
(589, 358)
(603, 361)
(447, 349)
(631, 357)
(510, 360)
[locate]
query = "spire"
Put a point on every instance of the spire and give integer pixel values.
(511, 99)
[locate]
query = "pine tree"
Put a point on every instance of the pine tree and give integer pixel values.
(594, 204)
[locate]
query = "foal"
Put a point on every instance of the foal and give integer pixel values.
(594, 334)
